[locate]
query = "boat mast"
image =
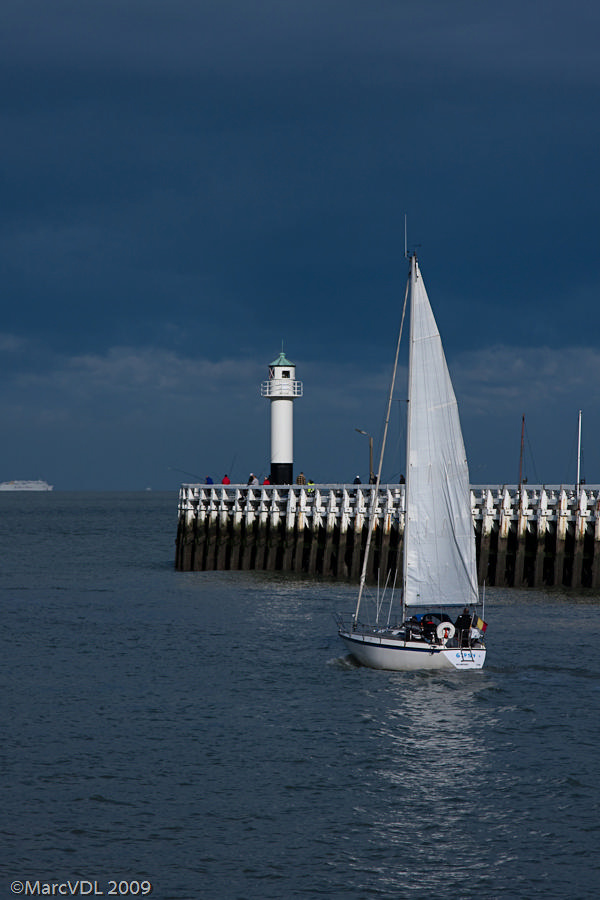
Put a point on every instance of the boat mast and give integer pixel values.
(579, 457)
(412, 280)
(375, 488)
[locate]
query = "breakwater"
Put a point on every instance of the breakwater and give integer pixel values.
(529, 537)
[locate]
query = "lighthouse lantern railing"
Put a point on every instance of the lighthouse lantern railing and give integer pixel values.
(281, 387)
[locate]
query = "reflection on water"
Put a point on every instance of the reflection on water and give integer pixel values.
(431, 767)
(437, 734)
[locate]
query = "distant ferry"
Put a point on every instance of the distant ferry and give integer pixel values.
(26, 486)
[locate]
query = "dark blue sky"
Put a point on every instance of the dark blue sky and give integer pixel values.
(185, 186)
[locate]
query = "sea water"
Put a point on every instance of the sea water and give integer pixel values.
(205, 734)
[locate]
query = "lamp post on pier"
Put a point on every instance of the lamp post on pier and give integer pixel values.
(371, 473)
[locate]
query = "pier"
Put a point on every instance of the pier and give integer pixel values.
(533, 536)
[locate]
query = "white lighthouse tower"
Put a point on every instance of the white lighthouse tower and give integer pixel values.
(282, 389)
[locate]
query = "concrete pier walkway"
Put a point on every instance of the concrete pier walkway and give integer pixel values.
(533, 537)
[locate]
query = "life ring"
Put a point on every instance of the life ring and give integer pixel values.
(445, 631)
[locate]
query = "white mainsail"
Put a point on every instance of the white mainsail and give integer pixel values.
(439, 540)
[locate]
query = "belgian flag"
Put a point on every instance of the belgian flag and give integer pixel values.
(478, 623)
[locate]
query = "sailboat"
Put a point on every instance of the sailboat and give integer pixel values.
(439, 563)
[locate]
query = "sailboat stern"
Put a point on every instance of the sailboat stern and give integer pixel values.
(465, 657)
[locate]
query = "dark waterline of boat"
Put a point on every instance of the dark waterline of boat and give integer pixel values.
(173, 727)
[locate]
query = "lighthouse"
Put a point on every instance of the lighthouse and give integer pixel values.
(282, 389)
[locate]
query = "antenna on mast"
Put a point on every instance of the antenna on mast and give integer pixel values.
(413, 252)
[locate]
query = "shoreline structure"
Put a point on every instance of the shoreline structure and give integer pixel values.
(533, 536)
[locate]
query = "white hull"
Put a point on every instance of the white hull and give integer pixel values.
(25, 486)
(384, 652)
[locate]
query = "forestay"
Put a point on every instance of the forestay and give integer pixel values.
(439, 549)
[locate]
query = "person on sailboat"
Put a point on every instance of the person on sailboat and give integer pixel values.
(428, 626)
(463, 626)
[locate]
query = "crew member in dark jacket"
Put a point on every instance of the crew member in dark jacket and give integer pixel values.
(463, 625)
